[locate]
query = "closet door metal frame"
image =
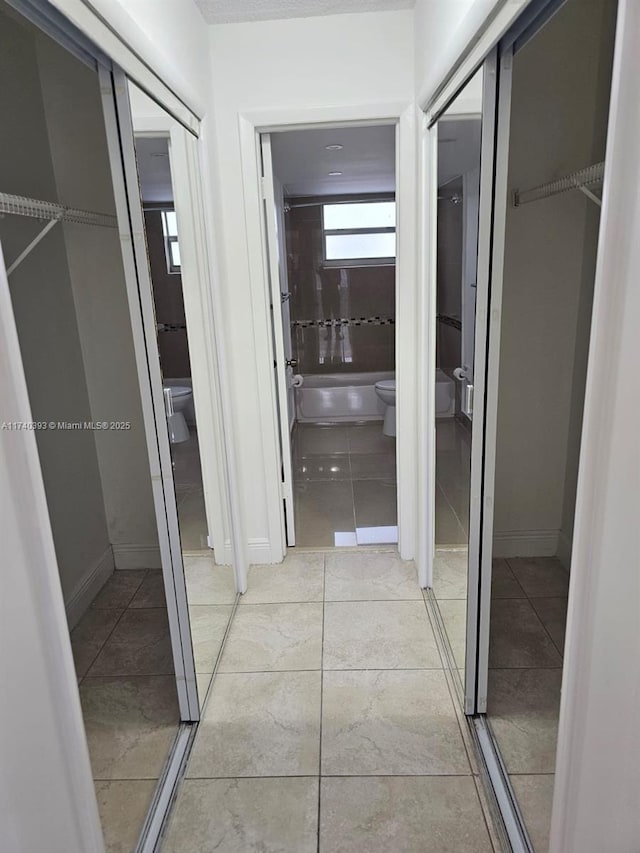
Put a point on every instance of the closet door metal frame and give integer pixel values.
(120, 140)
(496, 221)
(483, 330)
(483, 325)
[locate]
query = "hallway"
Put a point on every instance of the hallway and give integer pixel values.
(331, 724)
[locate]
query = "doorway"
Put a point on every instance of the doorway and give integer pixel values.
(331, 236)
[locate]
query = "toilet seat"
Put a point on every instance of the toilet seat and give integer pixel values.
(386, 385)
(178, 390)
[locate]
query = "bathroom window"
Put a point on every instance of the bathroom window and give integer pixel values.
(357, 233)
(171, 245)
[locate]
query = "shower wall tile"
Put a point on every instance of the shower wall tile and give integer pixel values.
(168, 302)
(319, 293)
(449, 258)
(347, 349)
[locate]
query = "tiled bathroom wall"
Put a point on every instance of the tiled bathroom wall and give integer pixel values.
(449, 271)
(167, 294)
(322, 299)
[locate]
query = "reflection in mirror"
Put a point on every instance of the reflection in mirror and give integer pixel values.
(459, 132)
(550, 258)
(70, 305)
(211, 591)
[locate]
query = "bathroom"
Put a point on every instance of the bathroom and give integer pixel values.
(335, 225)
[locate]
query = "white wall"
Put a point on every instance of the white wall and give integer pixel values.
(549, 273)
(302, 63)
(169, 35)
(436, 25)
(83, 178)
(597, 780)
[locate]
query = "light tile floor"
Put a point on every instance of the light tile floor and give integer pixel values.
(211, 594)
(344, 477)
(528, 614)
(124, 665)
(187, 476)
(330, 725)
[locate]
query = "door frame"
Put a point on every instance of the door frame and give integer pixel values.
(251, 125)
(274, 261)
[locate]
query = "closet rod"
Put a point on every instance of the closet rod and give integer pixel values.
(580, 180)
(18, 205)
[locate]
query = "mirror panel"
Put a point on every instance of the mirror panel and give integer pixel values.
(459, 143)
(160, 145)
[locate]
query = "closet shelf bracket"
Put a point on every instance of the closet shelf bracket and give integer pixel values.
(584, 180)
(17, 205)
(42, 233)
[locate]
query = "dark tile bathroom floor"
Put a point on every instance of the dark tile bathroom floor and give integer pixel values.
(345, 478)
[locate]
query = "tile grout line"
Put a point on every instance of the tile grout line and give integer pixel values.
(117, 622)
(455, 515)
(324, 578)
(548, 633)
(449, 677)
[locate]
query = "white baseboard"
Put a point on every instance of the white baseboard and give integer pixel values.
(137, 556)
(88, 587)
(258, 551)
(565, 546)
(526, 543)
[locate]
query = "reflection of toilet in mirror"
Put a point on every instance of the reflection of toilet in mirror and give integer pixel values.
(386, 391)
(178, 400)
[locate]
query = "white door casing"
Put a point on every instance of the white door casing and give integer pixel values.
(285, 295)
(276, 260)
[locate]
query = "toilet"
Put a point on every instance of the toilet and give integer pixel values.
(177, 399)
(386, 391)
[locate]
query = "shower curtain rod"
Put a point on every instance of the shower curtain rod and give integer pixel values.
(17, 205)
(580, 180)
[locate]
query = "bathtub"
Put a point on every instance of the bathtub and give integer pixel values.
(335, 397)
(445, 395)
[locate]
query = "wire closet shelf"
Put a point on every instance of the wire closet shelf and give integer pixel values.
(18, 205)
(585, 180)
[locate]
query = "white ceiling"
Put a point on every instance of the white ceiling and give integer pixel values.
(367, 161)
(237, 11)
(154, 170)
(458, 147)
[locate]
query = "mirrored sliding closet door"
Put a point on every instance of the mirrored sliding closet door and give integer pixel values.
(464, 177)
(180, 349)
